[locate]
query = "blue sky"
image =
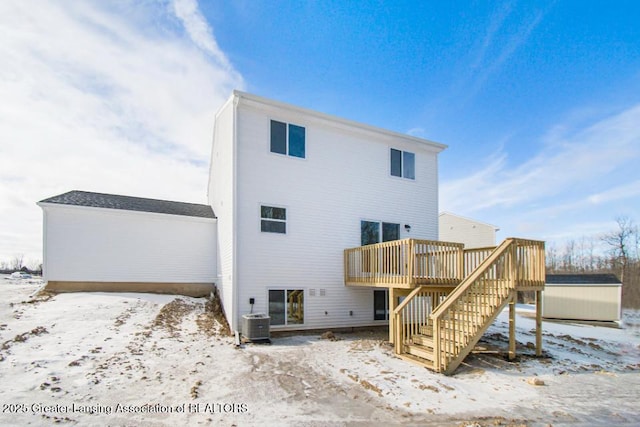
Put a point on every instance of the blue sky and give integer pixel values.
(539, 102)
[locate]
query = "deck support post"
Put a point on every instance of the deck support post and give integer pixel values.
(393, 303)
(538, 323)
(512, 326)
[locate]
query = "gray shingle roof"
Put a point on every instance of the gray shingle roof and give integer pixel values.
(127, 203)
(589, 279)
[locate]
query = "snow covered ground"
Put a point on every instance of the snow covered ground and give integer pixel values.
(140, 359)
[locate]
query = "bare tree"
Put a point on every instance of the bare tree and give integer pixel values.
(592, 258)
(17, 262)
(636, 244)
(569, 256)
(34, 265)
(621, 244)
(616, 252)
(552, 258)
(581, 255)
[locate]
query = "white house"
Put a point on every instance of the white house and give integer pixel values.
(292, 188)
(474, 234)
(320, 222)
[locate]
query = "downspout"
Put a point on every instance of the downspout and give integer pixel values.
(234, 204)
(218, 276)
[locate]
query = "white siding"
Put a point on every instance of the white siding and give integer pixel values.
(110, 245)
(221, 198)
(582, 302)
(473, 234)
(344, 179)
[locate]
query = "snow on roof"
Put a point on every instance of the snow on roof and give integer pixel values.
(128, 203)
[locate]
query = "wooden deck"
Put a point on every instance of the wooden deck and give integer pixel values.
(408, 263)
(452, 294)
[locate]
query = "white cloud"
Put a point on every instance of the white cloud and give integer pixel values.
(199, 30)
(550, 194)
(625, 191)
(103, 97)
(505, 33)
(416, 131)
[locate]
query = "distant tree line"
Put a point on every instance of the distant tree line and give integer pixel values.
(616, 252)
(17, 263)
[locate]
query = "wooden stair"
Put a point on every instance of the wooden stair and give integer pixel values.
(417, 360)
(440, 338)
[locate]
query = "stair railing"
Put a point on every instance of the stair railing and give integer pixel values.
(465, 314)
(412, 314)
(457, 318)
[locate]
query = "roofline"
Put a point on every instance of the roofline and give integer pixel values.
(577, 285)
(47, 202)
(591, 275)
(119, 195)
(435, 146)
(496, 228)
(119, 211)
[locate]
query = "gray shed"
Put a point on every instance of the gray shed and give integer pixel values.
(588, 297)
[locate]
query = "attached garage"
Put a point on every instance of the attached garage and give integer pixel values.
(107, 242)
(587, 297)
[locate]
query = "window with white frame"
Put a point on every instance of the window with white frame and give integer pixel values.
(403, 164)
(286, 306)
(273, 219)
(287, 139)
(375, 232)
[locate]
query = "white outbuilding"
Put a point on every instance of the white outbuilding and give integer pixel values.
(585, 297)
(107, 242)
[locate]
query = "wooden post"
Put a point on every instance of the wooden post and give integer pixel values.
(437, 349)
(538, 323)
(410, 280)
(346, 267)
(393, 303)
(512, 326)
(461, 267)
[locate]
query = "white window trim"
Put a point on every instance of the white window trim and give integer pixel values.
(287, 123)
(286, 314)
(414, 179)
(286, 221)
(380, 227)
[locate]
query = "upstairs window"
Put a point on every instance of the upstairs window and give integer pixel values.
(403, 164)
(287, 139)
(273, 220)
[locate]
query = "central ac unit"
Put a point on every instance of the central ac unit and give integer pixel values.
(256, 327)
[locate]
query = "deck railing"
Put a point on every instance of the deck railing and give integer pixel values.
(404, 263)
(457, 322)
(412, 314)
(474, 257)
(529, 264)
